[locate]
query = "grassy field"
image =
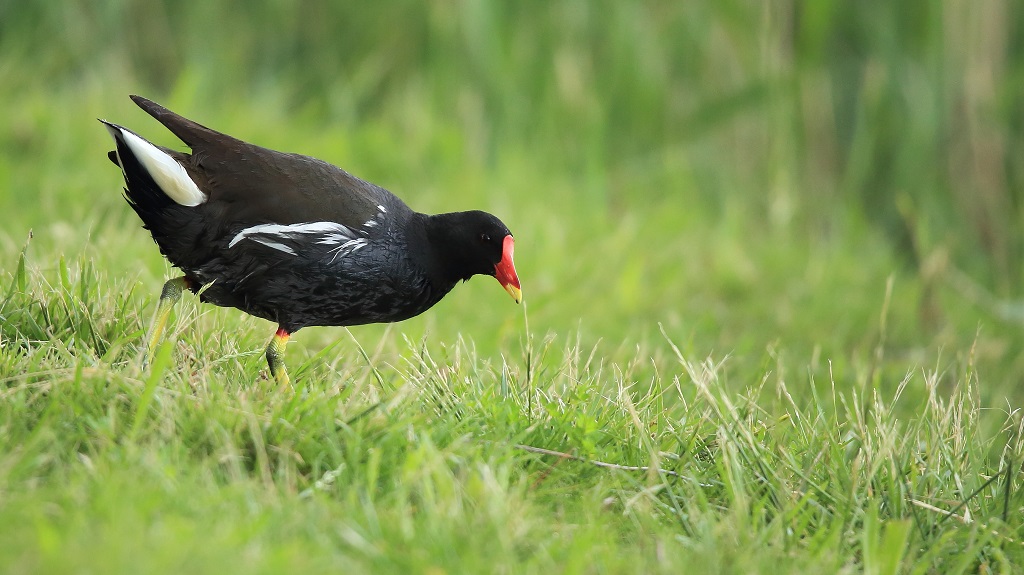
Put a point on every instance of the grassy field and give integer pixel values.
(771, 259)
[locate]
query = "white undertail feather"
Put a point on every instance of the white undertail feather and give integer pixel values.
(165, 171)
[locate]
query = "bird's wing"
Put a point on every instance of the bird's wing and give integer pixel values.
(249, 184)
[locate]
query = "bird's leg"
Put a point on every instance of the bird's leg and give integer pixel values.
(168, 297)
(275, 357)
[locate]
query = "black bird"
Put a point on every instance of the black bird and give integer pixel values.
(293, 239)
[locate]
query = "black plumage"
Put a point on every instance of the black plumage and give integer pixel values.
(293, 239)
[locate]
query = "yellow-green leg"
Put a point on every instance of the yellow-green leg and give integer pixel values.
(275, 357)
(168, 297)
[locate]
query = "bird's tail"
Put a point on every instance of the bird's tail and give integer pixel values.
(152, 177)
(159, 189)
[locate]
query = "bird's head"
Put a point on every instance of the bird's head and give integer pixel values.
(478, 243)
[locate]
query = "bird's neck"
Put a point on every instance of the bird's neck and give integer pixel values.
(439, 246)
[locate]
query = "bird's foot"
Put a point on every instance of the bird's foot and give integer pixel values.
(169, 296)
(275, 357)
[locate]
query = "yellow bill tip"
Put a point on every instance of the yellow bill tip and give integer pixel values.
(516, 293)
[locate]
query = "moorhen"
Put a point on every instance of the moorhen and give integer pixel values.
(293, 239)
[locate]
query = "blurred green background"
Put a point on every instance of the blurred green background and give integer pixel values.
(748, 176)
(772, 247)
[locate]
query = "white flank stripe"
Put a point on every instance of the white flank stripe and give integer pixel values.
(291, 230)
(324, 234)
(347, 248)
(276, 246)
(165, 171)
(353, 244)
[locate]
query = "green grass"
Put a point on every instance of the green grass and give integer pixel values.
(762, 331)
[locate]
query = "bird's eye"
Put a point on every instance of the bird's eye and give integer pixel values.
(485, 238)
